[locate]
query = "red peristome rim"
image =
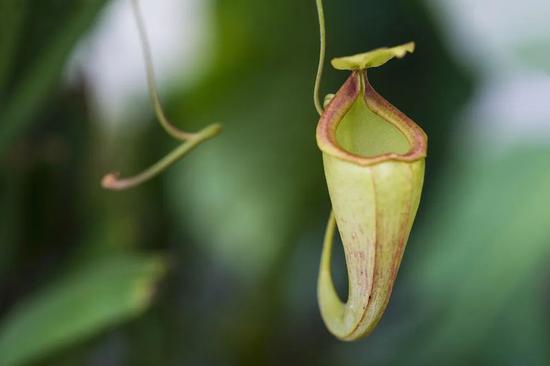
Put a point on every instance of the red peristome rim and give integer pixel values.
(342, 102)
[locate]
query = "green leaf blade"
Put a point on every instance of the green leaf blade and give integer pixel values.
(95, 298)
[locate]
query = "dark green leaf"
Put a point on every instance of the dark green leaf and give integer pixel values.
(78, 307)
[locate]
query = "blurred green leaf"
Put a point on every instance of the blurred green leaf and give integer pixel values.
(13, 12)
(37, 55)
(79, 306)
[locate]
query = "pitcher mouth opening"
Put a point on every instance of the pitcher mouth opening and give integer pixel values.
(361, 127)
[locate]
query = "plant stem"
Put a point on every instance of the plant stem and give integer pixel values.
(190, 139)
(322, 51)
(151, 83)
(112, 182)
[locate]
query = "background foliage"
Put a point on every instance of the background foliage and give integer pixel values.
(215, 263)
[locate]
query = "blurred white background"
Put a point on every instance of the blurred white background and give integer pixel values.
(500, 41)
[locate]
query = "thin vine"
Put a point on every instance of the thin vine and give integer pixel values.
(322, 52)
(190, 139)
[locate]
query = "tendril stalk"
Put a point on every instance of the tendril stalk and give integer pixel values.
(190, 140)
